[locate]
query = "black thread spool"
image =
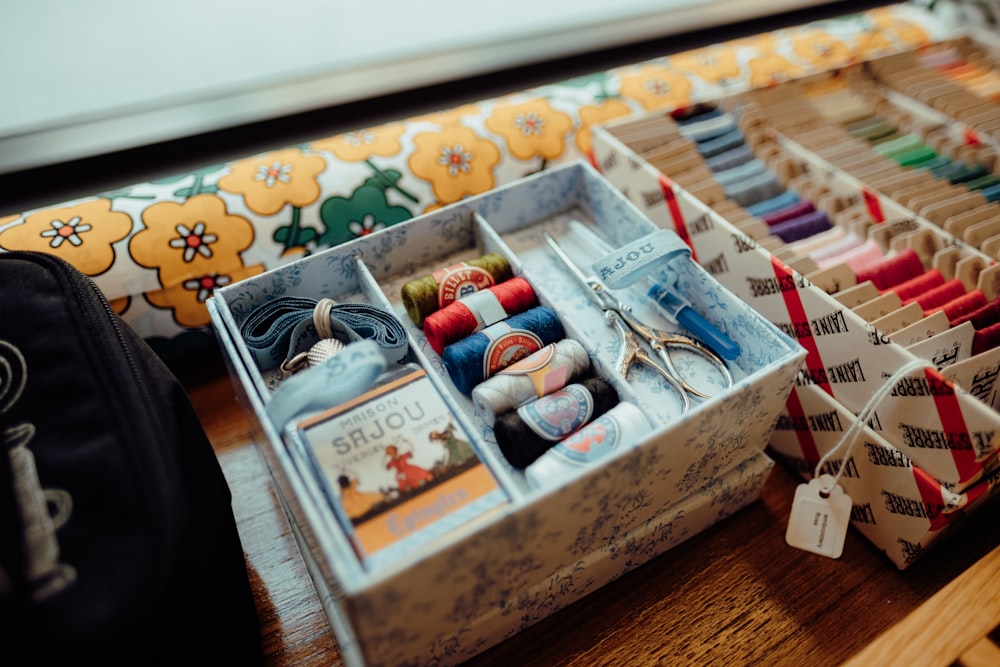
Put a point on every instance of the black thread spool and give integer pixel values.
(521, 444)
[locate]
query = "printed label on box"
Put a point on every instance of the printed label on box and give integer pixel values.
(395, 464)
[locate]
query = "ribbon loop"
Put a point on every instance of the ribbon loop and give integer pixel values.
(646, 256)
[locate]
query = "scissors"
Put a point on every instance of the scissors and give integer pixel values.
(633, 332)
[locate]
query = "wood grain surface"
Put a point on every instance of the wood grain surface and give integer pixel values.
(734, 594)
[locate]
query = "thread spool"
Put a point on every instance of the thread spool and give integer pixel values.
(478, 310)
(755, 189)
(744, 171)
(720, 143)
(550, 368)
(986, 339)
(789, 212)
(529, 431)
(622, 426)
(479, 356)
(734, 157)
(939, 296)
(422, 296)
(914, 287)
(862, 252)
(967, 303)
(801, 227)
(981, 317)
(786, 198)
(893, 269)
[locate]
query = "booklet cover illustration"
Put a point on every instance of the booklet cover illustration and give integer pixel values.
(397, 466)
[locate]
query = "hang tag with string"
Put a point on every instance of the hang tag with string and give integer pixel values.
(821, 509)
(821, 513)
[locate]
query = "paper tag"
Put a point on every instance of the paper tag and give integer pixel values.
(819, 524)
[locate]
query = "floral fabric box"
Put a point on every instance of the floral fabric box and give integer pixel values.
(465, 590)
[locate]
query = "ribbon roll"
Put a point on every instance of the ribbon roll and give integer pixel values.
(284, 328)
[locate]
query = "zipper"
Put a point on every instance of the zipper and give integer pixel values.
(84, 290)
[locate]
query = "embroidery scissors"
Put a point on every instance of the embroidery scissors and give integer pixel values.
(634, 333)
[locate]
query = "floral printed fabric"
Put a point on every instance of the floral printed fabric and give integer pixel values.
(158, 249)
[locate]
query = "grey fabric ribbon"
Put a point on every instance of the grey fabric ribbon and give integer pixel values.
(285, 328)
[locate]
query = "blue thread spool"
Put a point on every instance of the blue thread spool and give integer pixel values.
(473, 359)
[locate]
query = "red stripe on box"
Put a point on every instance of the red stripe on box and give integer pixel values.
(952, 421)
(797, 313)
(873, 205)
(807, 444)
(670, 197)
(930, 494)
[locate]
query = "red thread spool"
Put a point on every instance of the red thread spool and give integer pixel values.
(893, 270)
(963, 305)
(909, 290)
(464, 317)
(986, 339)
(981, 317)
(941, 295)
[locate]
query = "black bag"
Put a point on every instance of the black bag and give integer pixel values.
(118, 543)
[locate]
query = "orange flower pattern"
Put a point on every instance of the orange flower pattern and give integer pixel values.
(771, 68)
(531, 129)
(821, 49)
(656, 87)
(455, 161)
(597, 114)
(196, 240)
(187, 298)
(716, 64)
(271, 181)
(361, 145)
(83, 234)
(906, 31)
(194, 246)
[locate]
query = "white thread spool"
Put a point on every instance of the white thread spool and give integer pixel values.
(530, 378)
(621, 426)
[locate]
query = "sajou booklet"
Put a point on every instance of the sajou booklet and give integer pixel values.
(396, 466)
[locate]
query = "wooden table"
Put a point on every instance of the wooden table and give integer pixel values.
(734, 594)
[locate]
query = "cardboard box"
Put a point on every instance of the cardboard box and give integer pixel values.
(937, 430)
(480, 583)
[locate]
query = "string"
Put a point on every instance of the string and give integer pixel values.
(426, 294)
(478, 310)
(479, 356)
(551, 368)
(528, 432)
(862, 419)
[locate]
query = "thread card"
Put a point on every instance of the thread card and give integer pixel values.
(397, 467)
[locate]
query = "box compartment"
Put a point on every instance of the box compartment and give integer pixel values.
(458, 595)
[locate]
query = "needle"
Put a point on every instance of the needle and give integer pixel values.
(673, 304)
